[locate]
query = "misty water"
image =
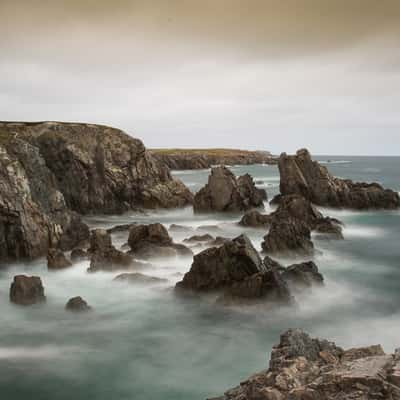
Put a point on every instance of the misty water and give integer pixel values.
(148, 343)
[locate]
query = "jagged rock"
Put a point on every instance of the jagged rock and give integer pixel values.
(290, 237)
(104, 256)
(136, 278)
(33, 212)
(219, 267)
(303, 275)
(302, 368)
(271, 264)
(219, 241)
(199, 238)
(77, 304)
(27, 290)
(78, 254)
(329, 228)
(301, 175)
(56, 259)
(225, 192)
(255, 219)
(153, 240)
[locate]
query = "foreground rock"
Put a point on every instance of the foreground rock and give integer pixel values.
(27, 290)
(153, 240)
(56, 260)
(237, 271)
(77, 304)
(302, 368)
(103, 255)
(205, 158)
(301, 175)
(51, 171)
(226, 193)
(136, 278)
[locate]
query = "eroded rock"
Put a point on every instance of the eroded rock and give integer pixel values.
(27, 290)
(56, 259)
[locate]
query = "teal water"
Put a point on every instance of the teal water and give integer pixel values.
(146, 343)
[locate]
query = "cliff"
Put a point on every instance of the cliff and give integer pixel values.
(206, 158)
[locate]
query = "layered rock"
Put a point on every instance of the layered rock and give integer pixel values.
(104, 256)
(303, 368)
(301, 175)
(153, 240)
(77, 304)
(27, 290)
(56, 259)
(226, 193)
(179, 159)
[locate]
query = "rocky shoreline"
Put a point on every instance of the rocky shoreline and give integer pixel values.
(180, 159)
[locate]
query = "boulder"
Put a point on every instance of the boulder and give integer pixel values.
(226, 193)
(104, 256)
(77, 304)
(135, 278)
(27, 290)
(303, 275)
(199, 238)
(56, 260)
(120, 228)
(254, 219)
(301, 175)
(153, 240)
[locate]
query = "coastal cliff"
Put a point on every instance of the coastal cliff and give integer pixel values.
(206, 158)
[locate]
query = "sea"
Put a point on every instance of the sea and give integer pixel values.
(147, 343)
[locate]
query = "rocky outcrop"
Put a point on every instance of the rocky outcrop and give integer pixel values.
(77, 304)
(236, 270)
(255, 219)
(136, 278)
(303, 275)
(104, 256)
(206, 158)
(303, 368)
(56, 259)
(226, 193)
(301, 175)
(153, 240)
(27, 290)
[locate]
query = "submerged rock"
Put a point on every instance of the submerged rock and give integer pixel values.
(104, 256)
(255, 219)
(225, 192)
(301, 175)
(77, 304)
(56, 259)
(135, 278)
(27, 290)
(78, 254)
(199, 238)
(303, 368)
(303, 275)
(153, 240)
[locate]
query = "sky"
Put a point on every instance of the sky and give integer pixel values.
(272, 75)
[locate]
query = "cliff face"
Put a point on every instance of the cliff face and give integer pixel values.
(206, 158)
(50, 172)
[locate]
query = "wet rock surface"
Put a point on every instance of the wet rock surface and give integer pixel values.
(226, 193)
(77, 304)
(27, 290)
(303, 368)
(56, 259)
(301, 175)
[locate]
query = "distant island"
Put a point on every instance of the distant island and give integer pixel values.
(206, 158)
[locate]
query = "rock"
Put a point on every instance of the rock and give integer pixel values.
(255, 219)
(27, 290)
(120, 228)
(199, 238)
(104, 256)
(362, 352)
(33, 212)
(180, 228)
(226, 193)
(301, 175)
(273, 265)
(181, 159)
(218, 267)
(136, 278)
(77, 304)
(153, 240)
(209, 228)
(219, 241)
(303, 275)
(78, 254)
(56, 259)
(329, 228)
(291, 237)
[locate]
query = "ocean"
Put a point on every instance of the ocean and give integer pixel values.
(147, 343)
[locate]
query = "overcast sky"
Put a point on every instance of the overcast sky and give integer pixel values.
(274, 75)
